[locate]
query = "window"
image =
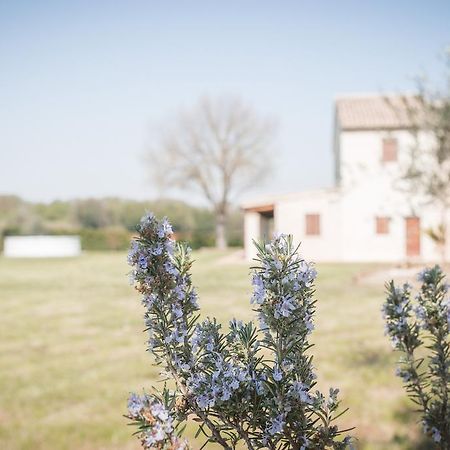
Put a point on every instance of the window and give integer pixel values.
(382, 225)
(389, 150)
(312, 224)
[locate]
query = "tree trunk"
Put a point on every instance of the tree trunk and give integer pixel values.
(221, 238)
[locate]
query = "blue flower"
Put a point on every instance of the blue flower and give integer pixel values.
(259, 292)
(170, 268)
(277, 373)
(177, 311)
(435, 434)
(147, 220)
(286, 307)
(277, 425)
(405, 375)
(305, 443)
(307, 273)
(179, 292)
(203, 401)
(149, 300)
(135, 405)
(225, 395)
(299, 391)
(164, 229)
(158, 249)
(193, 298)
(159, 411)
(143, 263)
(309, 323)
(132, 253)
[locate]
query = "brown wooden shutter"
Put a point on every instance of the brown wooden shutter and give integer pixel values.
(412, 236)
(382, 225)
(389, 150)
(312, 224)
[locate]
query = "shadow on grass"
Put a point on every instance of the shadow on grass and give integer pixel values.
(408, 443)
(415, 440)
(400, 442)
(370, 357)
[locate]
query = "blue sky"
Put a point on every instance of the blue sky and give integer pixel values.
(83, 84)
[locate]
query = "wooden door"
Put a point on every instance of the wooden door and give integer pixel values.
(412, 236)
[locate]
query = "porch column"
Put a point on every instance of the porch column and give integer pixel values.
(252, 230)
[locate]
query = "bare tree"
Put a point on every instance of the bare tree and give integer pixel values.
(428, 171)
(220, 148)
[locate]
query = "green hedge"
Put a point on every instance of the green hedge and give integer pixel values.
(109, 238)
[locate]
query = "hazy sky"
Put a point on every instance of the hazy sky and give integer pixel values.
(83, 83)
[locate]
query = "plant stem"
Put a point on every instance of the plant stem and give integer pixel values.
(216, 433)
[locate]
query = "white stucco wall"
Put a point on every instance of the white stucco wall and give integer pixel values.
(41, 246)
(290, 218)
(372, 188)
(368, 188)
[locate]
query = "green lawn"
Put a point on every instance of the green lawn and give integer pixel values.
(72, 348)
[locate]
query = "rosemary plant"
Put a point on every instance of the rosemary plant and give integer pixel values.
(419, 328)
(251, 386)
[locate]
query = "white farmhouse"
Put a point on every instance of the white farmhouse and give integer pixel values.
(367, 215)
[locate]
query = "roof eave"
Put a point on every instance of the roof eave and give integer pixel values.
(380, 128)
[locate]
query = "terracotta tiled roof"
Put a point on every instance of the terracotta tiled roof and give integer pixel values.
(375, 112)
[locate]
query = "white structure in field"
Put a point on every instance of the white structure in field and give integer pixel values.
(366, 216)
(41, 246)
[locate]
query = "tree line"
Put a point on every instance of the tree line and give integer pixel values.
(109, 223)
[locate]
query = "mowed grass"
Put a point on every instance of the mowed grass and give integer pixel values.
(72, 348)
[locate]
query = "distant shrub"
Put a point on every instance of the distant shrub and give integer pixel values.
(55, 211)
(111, 238)
(199, 239)
(253, 384)
(235, 240)
(419, 329)
(92, 213)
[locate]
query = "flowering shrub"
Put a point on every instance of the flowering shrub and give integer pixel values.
(419, 328)
(253, 384)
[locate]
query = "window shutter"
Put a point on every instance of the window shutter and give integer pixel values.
(389, 150)
(382, 225)
(312, 224)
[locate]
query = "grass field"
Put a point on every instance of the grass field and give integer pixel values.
(72, 348)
